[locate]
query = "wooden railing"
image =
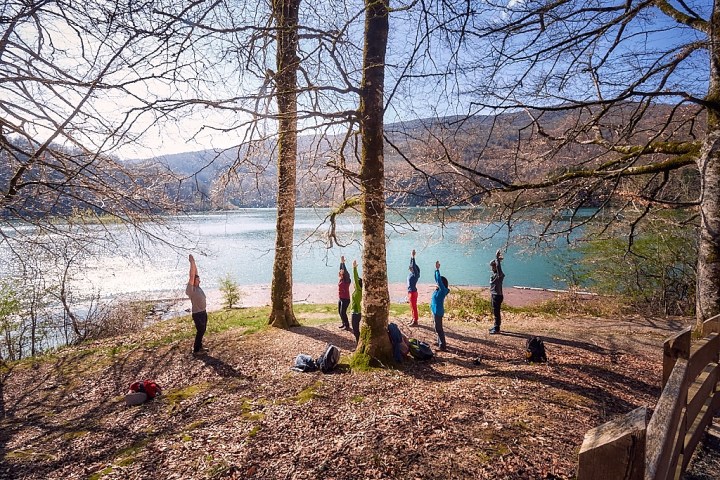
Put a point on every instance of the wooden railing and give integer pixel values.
(631, 447)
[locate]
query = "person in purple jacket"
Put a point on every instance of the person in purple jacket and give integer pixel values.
(412, 280)
(437, 306)
(343, 294)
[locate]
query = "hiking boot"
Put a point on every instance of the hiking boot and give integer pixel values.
(202, 351)
(494, 330)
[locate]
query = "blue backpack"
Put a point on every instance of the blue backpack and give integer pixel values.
(328, 360)
(396, 340)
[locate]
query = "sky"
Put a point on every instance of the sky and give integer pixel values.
(211, 74)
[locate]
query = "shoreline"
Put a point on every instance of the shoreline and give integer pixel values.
(259, 295)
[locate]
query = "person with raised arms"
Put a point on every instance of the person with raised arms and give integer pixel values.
(437, 306)
(198, 302)
(412, 280)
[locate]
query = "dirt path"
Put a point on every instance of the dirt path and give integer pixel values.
(241, 413)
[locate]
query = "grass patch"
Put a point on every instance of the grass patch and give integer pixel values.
(357, 399)
(26, 455)
(73, 435)
(247, 411)
(175, 397)
(133, 449)
(254, 431)
(308, 393)
(569, 398)
(100, 474)
(471, 305)
(305, 308)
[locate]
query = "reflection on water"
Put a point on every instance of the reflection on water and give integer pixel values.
(241, 244)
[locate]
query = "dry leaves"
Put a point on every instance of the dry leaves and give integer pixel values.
(241, 413)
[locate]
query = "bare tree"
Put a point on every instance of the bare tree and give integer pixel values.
(374, 340)
(574, 104)
(69, 75)
(286, 17)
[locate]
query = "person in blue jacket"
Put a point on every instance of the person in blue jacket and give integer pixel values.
(412, 280)
(437, 306)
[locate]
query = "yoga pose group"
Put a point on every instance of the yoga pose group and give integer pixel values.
(437, 302)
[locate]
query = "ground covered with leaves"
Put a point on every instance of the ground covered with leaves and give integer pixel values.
(240, 412)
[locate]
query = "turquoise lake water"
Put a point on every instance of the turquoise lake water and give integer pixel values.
(240, 244)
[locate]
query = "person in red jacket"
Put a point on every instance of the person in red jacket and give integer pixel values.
(343, 294)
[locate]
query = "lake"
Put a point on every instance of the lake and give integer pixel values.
(240, 244)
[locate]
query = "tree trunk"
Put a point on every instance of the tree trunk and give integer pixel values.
(708, 265)
(374, 340)
(281, 293)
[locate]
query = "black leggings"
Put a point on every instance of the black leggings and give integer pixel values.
(356, 317)
(495, 302)
(200, 319)
(343, 305)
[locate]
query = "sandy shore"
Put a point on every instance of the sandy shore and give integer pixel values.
(259, 295)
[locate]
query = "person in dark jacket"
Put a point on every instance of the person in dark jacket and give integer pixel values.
(496, 291)
(412, 280)
(343, 294)
(437, 306)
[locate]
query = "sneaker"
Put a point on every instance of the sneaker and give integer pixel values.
(413, 324)
(342, 327)
(494, 330)
(202, 351)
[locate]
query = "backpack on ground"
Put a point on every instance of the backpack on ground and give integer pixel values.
(329, 359)
(535, 350)
(396, 339)
(420, 350)
(304, 363)
(141, 391)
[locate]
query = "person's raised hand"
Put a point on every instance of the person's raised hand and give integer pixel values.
(413, 252)
(191, 258)
(437, 264)
(354, 263)
(342, 259)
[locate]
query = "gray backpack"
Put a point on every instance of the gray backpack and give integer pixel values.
(328, 360)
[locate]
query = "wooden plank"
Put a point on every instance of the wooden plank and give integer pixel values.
(615, 449)
(704, 351)
(677, 346)
(663, 425)
(700, 390)
(711, 325)
(696, 432)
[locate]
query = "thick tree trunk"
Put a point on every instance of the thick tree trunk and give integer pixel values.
(281, 293)
(374, 340)
(708, 265)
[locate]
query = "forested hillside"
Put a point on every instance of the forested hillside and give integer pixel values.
(246, 176)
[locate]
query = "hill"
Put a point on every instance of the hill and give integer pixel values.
(239, 412)
(417, 153)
